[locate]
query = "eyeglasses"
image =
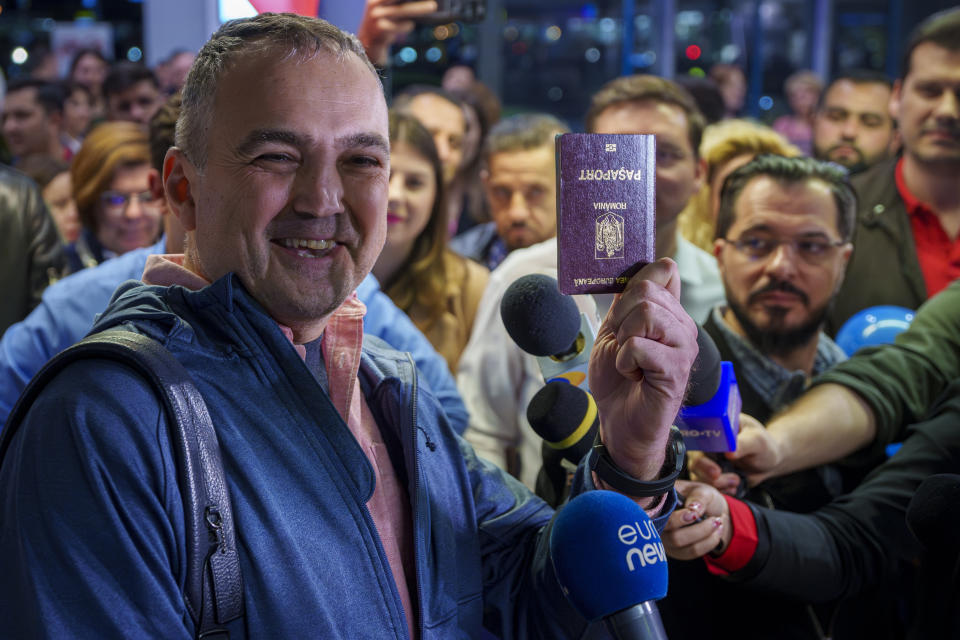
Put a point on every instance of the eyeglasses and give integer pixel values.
(116, 202)
(757, 246)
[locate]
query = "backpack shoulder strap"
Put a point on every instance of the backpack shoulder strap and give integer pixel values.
(214, 588)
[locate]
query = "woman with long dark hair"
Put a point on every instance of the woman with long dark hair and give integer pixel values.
(438, 289)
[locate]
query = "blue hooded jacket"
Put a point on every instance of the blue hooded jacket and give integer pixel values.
(92, 523)
(69, 307)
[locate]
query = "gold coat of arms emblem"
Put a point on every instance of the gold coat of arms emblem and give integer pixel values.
(609, 243)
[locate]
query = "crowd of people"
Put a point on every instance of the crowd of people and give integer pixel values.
(327, 254)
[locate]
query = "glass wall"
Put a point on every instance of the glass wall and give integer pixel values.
(551, 55)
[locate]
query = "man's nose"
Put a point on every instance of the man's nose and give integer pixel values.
(850, 129)
(782, 261)
(948, 107)
(318, 190)
(518, 207)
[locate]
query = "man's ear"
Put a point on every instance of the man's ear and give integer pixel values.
(699, 175)
(845, 252)
(718, 246)
(895, 95)
(178, 175)
(156, 188)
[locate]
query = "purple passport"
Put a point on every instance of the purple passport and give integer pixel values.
(605, 210)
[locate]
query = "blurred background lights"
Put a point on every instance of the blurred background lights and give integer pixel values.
(765, 103)
(433, 54)
(592, 54)
(729, 53)
(553, 33)
(693, 52)
(408, 55)
(134, 54)
(19, 55)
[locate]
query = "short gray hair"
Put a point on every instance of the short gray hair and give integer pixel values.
(523, 132)
(294, 34)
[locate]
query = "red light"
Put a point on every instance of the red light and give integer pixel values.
(693, 52)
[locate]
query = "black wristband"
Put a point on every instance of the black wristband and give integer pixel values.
(608, 471)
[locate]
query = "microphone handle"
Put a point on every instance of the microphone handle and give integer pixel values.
(639, 622)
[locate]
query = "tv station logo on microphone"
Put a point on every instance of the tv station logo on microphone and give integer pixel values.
(645, 547)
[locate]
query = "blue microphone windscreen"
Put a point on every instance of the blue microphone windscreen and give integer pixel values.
(607, 554)
(539, 318)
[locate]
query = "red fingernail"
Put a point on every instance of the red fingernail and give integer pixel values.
(694, 506)
(689, 516)
(717, 523)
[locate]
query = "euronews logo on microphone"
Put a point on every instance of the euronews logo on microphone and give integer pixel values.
(607, 554)
(643, 543)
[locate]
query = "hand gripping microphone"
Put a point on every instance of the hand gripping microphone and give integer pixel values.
(547, 324)
(710, 417)
(611, 564)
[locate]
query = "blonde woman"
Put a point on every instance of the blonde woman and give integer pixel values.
(726, 146)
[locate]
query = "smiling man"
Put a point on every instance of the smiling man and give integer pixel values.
(357, 510)
(908, 228)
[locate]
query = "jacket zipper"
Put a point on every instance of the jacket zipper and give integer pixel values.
(415, 498)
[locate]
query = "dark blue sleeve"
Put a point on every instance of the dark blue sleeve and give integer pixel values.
(583, 481)
(92, 523)
(387, 322)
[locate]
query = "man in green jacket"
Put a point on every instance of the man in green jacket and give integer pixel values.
(907, 243)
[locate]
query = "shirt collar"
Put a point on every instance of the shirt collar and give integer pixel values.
(168, 270)
(913, 205)
(687, 262)
(777, 385)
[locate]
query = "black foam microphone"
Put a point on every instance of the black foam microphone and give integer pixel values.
(547, 324)
(566, 417)
(710, 417)
(933, 516)
(705, 373)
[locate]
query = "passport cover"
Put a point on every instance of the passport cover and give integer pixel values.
(605, 210)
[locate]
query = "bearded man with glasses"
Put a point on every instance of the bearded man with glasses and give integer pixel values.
(782, 244)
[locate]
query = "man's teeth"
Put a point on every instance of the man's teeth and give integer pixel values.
(300, 243)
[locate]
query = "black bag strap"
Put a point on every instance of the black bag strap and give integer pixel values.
(214, 587)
